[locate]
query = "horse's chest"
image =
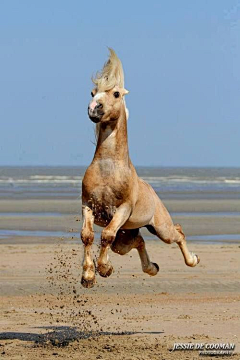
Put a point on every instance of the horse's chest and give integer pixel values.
(104, 201)
(105, 188)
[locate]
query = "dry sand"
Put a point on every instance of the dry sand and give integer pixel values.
(45, 313)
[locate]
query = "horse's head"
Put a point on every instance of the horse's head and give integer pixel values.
(106, 105)
(108, 94)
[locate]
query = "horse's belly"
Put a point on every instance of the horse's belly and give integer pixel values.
(137, 221)
(141, 215)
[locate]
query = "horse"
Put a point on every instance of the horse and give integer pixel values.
(113, 196)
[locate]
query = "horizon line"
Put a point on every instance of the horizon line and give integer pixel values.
(137, 166)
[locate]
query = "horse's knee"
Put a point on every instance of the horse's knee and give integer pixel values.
(107, 237)
(87, 236)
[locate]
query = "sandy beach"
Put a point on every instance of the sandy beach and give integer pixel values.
(46, 313)
(113, 106)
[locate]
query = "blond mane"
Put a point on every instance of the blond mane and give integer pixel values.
(111, 75)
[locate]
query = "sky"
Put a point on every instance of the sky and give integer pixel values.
(182, 69)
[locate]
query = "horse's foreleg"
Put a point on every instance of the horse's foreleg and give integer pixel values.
(87, 236)
(108, 235)
(126, 240)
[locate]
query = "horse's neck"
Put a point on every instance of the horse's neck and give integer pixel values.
(112, 140)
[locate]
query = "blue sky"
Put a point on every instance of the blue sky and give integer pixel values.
(182, 68)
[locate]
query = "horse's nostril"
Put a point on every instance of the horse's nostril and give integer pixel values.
(99, 106)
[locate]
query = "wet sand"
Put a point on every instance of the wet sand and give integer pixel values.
(45, 313)
(70, 221)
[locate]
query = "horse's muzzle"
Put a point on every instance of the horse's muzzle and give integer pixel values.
(95, 114)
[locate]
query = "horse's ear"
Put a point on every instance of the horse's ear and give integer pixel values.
(93, 92)
(124, 92)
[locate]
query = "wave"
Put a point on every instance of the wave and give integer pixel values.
(54, 177)
(154, 180)
(230, 181)
(50, 180)
(190, 180)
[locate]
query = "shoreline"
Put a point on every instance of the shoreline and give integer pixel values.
(15, 237)
(202, 220)
(73, 206)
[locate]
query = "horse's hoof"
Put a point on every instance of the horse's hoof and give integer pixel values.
(87, 283)
(194, 261)
(152, 270)
(156, 265)
(105, 273)
(197, 260)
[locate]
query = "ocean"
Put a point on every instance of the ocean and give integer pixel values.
(169, 183)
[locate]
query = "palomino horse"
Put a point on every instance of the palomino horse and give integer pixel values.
(113, 196)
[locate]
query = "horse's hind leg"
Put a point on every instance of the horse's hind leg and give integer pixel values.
(164, 228)
(190, 258)
(127, 240)
(175, 234)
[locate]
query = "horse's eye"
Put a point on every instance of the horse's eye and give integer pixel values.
(92, 94)
(116, 94)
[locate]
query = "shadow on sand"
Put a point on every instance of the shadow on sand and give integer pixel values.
(61, 336)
